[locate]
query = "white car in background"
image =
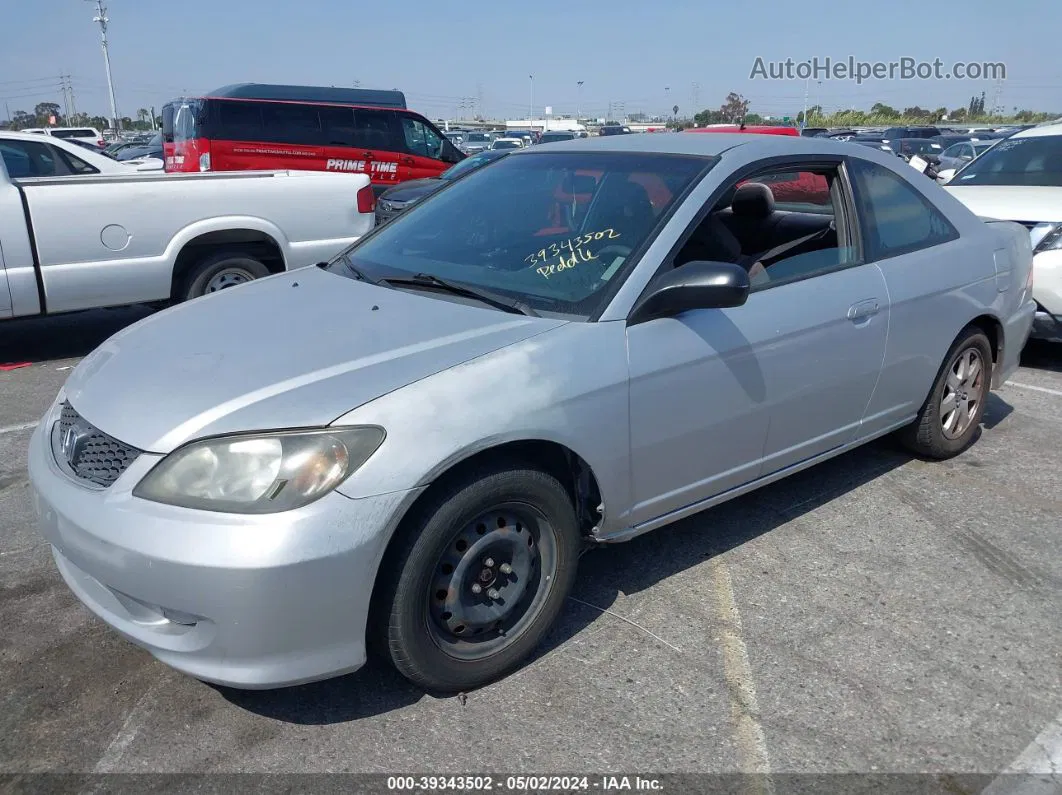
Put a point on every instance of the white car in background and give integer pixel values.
(33, 155)
(1020, 179)
(88, 135)
(507, 143)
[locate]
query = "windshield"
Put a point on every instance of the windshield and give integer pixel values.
(1017, 161)
(477, 138)
(548, 229)
(500, 144)
(547, 137)
(468, 164)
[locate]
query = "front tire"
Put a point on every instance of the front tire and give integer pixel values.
(478, 576)
(950, 419)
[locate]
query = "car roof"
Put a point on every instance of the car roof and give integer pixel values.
(702, 145)
(1038, 132)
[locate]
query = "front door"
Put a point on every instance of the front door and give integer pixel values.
(721, 397)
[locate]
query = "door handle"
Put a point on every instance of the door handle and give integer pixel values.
(366, 155)
(864, 309)
(407, 160)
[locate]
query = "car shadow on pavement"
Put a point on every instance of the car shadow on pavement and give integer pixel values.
(605, 574)
(1042, 355)
(70, 336)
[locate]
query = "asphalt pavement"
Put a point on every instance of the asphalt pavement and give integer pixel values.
(874, 614)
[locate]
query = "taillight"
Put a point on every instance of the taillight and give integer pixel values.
(366, 200)
(101, 144)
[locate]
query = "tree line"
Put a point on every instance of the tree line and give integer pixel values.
(736, 109)
(44, 111)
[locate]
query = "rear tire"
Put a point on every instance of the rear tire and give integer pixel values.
(478, 577)
(220, 271)
(950, 419)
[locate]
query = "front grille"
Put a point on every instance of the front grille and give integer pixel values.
(91, 454)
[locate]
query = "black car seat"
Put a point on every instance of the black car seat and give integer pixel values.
(625, 208)
(752, 217)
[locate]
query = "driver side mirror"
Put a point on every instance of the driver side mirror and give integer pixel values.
(695, 285)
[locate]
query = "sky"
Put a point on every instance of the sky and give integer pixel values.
(631, 55)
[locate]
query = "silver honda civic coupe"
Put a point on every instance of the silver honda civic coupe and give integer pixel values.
(407, 448)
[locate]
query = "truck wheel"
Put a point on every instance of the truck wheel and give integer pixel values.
(221, 270)
(478, 577)
(951, 416)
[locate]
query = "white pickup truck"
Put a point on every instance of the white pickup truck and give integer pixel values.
(82, 242)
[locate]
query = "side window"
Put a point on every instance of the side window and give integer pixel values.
(337, 125)
(74, 164)
(16, 161)
(239, 121)
(896, 218)
(420, 138)
(373, 130)
(782, 225)
(290, 123)
(30, 159)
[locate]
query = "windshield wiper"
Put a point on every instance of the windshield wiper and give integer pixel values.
(432, 281)
(349, 266)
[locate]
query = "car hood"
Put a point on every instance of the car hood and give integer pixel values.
(1009, 202)
(295, 350)
(412, 190)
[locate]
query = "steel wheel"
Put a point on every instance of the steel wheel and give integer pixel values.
(229, 277)
(491, 581)
(964, 391)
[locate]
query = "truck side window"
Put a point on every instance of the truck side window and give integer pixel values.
(28, 159)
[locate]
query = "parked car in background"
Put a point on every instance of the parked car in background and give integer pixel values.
(894, 134)
(399, 198)
(456, 406)
(33, 155)
(814, 132)
(150, 153)
(614, 129)
(252, 126)
(476, 142)
(926, 148)
(89, 135)
(959, 154)
(552, 136)
(507, 143)
(840, 134)
(754, 129)
(111, 239)
(1020, 179)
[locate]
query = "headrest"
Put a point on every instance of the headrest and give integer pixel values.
(753, 200)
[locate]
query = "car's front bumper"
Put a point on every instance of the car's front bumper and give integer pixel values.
(245, 601)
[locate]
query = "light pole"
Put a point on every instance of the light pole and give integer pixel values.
(101, 18)
(579, 109)
(667, 99)
(531, 108)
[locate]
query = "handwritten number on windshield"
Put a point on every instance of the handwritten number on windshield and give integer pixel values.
(571, 245)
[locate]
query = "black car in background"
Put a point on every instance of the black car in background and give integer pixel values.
(394, 200)
(614, 129)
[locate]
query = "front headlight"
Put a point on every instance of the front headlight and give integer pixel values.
(1046, 237)
(262, 473)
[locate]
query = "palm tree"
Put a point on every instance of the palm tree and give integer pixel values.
(143, 115)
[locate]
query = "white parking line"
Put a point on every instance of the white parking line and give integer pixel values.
(16, 428)
(752, 744)
(111, 759)
(1044, 389)
(1038, 770)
